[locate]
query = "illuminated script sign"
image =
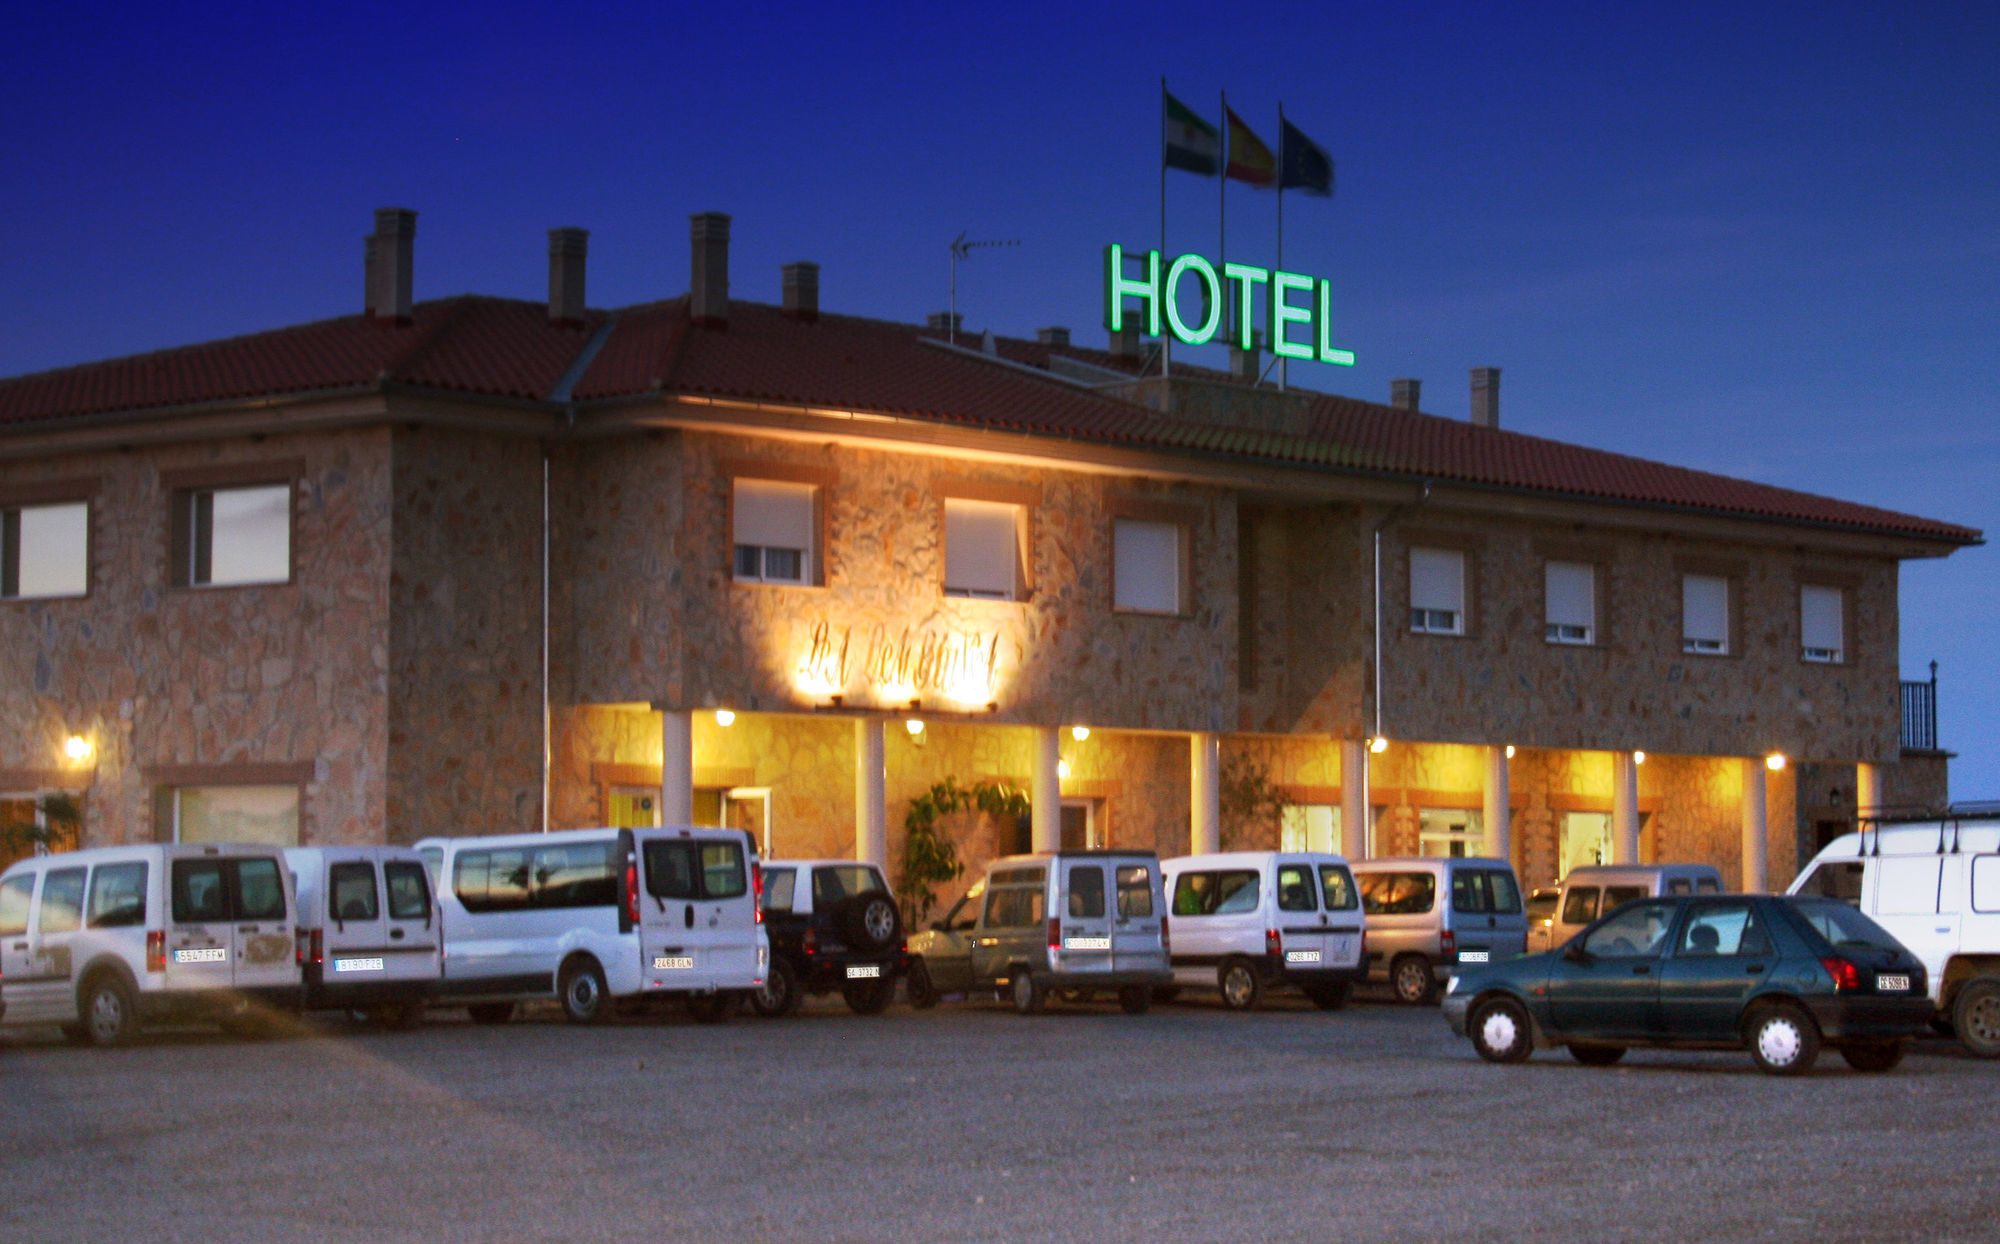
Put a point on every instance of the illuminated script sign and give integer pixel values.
(1290, 300)
(898, 667)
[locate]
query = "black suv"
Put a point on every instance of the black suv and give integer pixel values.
(833, 925)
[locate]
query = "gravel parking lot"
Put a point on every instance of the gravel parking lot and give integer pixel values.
(972, 1123)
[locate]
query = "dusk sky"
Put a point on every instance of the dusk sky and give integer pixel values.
(1759, 239)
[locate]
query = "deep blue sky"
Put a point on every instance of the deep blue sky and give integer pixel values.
(1758, 239)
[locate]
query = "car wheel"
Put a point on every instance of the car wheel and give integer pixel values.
(1413, 980)
(779, 994)
(1782, 1038)
(110, 1013)
(1136, 999)
(1500, 1031)
(1237, 980)
(1976, 1017)
(865, 997)
(490, 1012)
(1873, 1055)
(1596, 1055)
(917, 985)
(1027, 992)
(1330, 997)
(712, 1008)
(581, 988)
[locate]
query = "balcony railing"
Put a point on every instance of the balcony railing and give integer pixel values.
(1920, 714)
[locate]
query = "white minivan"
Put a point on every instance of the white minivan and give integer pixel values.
(1245, 921)
(1593, 890)
(594, 917)
(367, 930)
(1934, 885)
(103, 940)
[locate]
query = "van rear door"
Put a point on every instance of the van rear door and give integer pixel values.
(697, 916)
(412, 922)
(356, 932)
(1487, 915)
(201, 935)
(1084, 895)
(1136, 944)
(264, 944)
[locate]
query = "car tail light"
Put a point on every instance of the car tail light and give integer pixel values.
(810, 943)
(1273, 944)
(1166, 939)
(1055, 934)
(632, 890)
(1362, 946)
(757, 887)
(318, 953)
(1846, 975)
(1448, 943)
(156, 950)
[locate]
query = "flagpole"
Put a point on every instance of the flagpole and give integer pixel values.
(1166, 339)
(1222, 221)
(1284, 363)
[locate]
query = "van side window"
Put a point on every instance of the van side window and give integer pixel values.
(1484, 892)
(1398, 894)
(1618, 895)
(1086, 892)
(62, 901)
(670, 871)
(1336, 886)
(491, 880)
(778, 883)
(1295, 890)
(1679, 885)
(1707, 885)
(1839, 879)
(1580, 905)
(1135, 890)
(1986, 883)
(117, 895)
(1013, 909)
(14, 895)
(1505, 892)
(409, 890)
(722, 873)
(199, 895)
(351, 892)
(260, 890)
(580, 875)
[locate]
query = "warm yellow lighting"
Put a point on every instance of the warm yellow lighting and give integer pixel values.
(1079, 733)
(1638, 758)
(76, 747)
(1062, 770)
(914, 726)
(1510, 751)
(725, 717)
(1775, 762)
(1379, 744)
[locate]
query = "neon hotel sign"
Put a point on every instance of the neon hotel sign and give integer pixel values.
(1289, 299)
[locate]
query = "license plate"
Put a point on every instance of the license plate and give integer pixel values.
(1892, 983)
(217, 954)
(863, 971)
(664, 963)
(357, 965)
(1302, 956)
(1086, 943)
(1473, 956)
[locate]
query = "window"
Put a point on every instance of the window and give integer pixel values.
(1822, 624)
(409, 891)
(835, 882)
(1450, 832)
(1723, 929)
(14, 895)
(227, 536)
(268, 815)
(1398, 894)
(982, 549)
(1580, 906)
(1135, 891)
(774, 525)
(1086, 892)
(670, 873)
(1704, 614)
(778, 883)
(1484, 892)
(1295, 888)
(62, 901)
(1014, 908)
(1215, 893)
(45, 551)
(1437, 592)
(1637, 930)
(351, 892)
(199, 894)
(1146, 566)
(1985, 883)
(1337, 888)
(722, 873)
(492, 880)
(117, 895)
(582, 874)
(1839, 879)
(260, 889)
(1570, 602)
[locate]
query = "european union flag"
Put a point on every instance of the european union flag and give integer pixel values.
(1303, 164)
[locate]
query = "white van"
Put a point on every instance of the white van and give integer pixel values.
(1935, 885)
(592, 917)
(367, 930)
(103, 940)
(1244, 921)
(1594, 890)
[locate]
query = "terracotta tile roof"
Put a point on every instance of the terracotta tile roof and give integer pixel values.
(502, 348)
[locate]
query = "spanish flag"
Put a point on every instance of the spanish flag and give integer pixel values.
(1249, 159)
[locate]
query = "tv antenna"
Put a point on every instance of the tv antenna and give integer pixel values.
(962, 249)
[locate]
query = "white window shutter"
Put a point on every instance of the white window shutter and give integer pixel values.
(1437, 580)
(1572, 595)
(251, 539)
(1705, 609)
(55, 550)
(774, 515)
(1820, 621)
(979, 547)
(1146, 566)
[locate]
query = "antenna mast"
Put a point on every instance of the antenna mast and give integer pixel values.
(961, 249)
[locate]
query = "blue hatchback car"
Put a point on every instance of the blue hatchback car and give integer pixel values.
(1776, 975)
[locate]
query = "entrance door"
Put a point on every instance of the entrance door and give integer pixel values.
(1586, 839)
(1080, 830)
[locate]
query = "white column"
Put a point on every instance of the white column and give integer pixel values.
(1045, 797)
(1204, 793)
(1355, 808)
(871, 776)
(676, 767)
(1754, 827)
(1499, 841)
(1624, 809)
(1867, 787)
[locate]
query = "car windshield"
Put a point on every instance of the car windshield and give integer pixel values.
(1841, 925)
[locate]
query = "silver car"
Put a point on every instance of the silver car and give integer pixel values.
(1430, 914)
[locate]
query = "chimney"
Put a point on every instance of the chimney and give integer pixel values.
(1052, 336)
(1125, 343)
(391, 254)
(989, 344)
(945, 322)
(566, 253)
(802, 291)
(708, 274)
(1486, 397)
(1403, 393)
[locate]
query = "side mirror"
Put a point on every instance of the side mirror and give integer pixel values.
(1574, 952)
